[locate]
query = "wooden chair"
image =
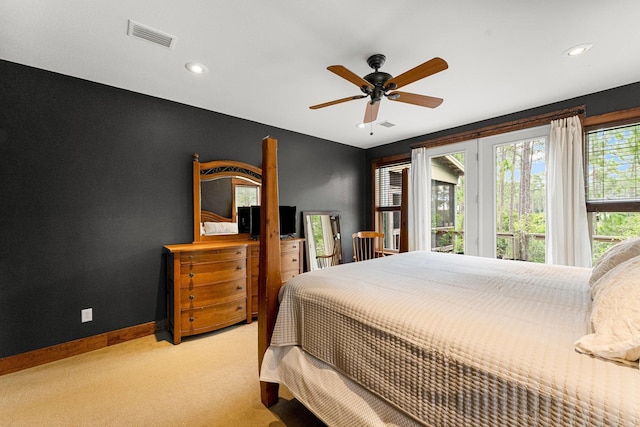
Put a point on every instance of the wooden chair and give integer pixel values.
(367, 245)
(325, 261)
(329, 260)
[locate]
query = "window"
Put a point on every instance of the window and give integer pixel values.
(613, 164)
(517, 230)
(520, 196)
(447, 202)
(388, 195)
(443, 201)
(245, 194)
(613, 184)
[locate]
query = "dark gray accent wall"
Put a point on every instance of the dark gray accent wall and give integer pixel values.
(94, 180)
(616, 99)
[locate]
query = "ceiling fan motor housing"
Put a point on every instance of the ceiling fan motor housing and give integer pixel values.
(377, 78)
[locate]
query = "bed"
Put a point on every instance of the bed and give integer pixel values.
(435, 339)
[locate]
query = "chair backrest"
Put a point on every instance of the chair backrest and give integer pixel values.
(367, 245)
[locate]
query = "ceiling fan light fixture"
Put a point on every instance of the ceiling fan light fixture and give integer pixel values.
(196, 67)
(578, 50)
(360, 125)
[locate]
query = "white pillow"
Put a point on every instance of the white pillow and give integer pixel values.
(616, 316)
(615, 255)
(220, 228)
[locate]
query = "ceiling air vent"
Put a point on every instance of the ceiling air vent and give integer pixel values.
(387, 124)
(152, 35)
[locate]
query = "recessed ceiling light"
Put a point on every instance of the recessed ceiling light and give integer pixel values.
(578, 50)
(196, 67)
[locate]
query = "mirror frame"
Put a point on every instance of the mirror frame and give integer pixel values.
(216, 169)
(340, 253)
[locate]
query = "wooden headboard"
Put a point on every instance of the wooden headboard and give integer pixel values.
(208, 216)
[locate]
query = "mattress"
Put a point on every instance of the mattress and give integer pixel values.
(458, 340)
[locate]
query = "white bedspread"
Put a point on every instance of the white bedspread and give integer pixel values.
(459, 340)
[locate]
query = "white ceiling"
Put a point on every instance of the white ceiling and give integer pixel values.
(267, 59)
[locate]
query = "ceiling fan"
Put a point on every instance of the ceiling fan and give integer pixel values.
(377, 85)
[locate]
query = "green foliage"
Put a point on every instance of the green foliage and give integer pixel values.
(616, 225)
(318, 237)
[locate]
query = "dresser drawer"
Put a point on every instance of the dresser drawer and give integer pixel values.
(204, 274)
(288, 274)
(290, 261)
(213, 317)
(289, 267)
(289, 246)
(201, 296)
(213, 255)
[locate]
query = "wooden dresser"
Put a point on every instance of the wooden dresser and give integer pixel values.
(209, 285)
(291, 253)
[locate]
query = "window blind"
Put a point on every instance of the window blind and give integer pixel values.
(389, 185)
(613, 164)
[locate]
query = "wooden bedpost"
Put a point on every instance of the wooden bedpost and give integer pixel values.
(404, 212)
(196, 197)
(269, 279)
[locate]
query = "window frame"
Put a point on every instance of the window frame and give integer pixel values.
(376, 211)
(604, 121)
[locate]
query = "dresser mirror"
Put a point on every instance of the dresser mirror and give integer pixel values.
(323, 239)
(220, 187)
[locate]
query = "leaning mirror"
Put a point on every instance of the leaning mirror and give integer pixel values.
(220, 188)
(322, 237)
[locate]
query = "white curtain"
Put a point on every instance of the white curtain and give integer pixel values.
(567, 236)
(419, 196)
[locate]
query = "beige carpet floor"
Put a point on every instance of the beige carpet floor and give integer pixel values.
(208, 380)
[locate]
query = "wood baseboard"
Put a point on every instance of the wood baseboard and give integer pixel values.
(73, 348)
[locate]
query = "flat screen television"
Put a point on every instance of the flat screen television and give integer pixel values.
(287, 221)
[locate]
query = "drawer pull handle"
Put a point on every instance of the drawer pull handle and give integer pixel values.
(191, 297)
(192, 274)
(240, 288)
(191, 319)
(190, 256)
(294, 247)
(239, 267)
(239, 307)
(295, 260)
(238, 252)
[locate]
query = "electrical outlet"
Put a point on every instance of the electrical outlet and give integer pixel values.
(86, 315)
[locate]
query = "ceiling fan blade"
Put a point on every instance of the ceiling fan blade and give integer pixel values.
(427, 69)
(371, 113)
(349, 75)
(415, 99)
(337, 101)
